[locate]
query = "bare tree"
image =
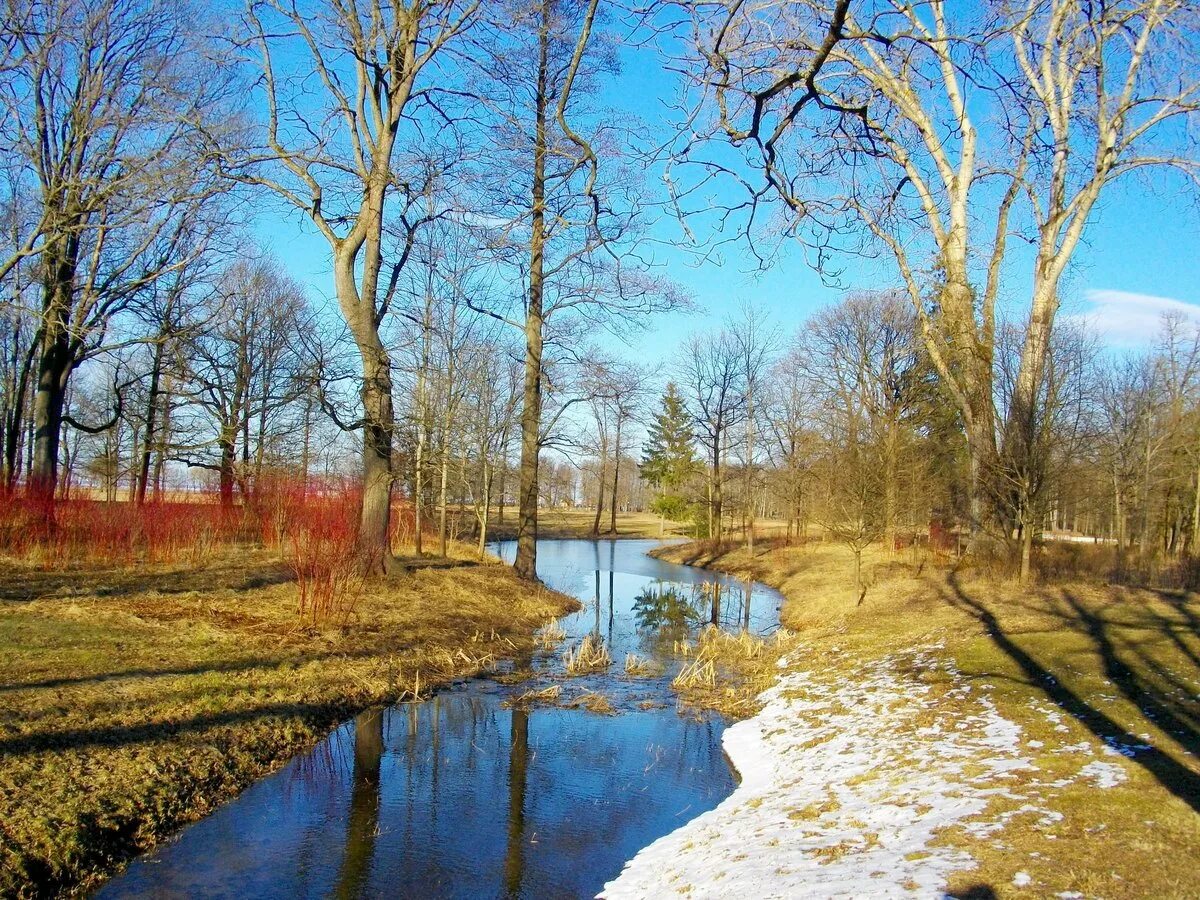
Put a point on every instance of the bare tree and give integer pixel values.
(337, 158)
(571, 204)
(867, 118)
(110, 106)
(713, 379)
(244, 369)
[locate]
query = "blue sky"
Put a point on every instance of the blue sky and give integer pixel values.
(1140, 256)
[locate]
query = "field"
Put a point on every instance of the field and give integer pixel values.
(137, 697)
(577, 523)
(1099, 678)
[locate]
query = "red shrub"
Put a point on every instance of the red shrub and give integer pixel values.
(322, 549)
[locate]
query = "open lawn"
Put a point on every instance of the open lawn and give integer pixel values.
(135, 700)
(577, 523)
(1104, 682)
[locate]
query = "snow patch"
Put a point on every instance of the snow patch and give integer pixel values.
(1103, 775)
(840, 795)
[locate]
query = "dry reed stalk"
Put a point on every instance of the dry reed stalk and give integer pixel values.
(544, 696)
(636, 667)
(590, 656)
(698, 673)
(551, 635)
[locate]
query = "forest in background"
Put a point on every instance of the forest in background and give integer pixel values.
(492, 236)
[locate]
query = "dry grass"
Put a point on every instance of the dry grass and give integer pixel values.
(133, 701)
(577, 523)
(551, 635)
(636, 667)
(544, 697)
(589, 656)
(1079, 663)
(728, 671)
(593, 702)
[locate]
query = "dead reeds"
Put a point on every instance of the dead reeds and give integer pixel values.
(590, 655)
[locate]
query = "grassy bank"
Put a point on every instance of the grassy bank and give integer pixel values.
(1094, 675)
(133, 701)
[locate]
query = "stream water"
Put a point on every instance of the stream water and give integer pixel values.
(464, 795)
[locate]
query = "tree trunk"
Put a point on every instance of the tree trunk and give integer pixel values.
(1026, 549)
(612, 507)
(15, 423)
(599, 492)
(749, 480)
(378, 425)
(443, 488)
(164, 438)
(486, 511)
(374, 535)
(225, 472)
(48, 405)
(143, 473)
(718, 501)
(54, 362)
(531, 413)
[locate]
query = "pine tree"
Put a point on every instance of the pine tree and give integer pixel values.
(669, 456)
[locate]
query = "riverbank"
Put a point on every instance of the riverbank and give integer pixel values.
(953, 733)
(134, 701)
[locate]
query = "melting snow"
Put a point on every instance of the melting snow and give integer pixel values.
(840, 795)
(1104, 775)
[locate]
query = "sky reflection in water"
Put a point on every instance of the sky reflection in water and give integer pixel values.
(461, 797)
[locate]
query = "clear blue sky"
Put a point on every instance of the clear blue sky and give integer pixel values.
(1141, 254)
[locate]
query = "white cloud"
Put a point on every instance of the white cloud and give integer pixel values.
(1128, 319)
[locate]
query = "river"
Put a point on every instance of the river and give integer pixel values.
(465, 795)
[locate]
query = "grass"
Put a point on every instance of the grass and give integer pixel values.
(1080, 665)
(588, 656)
(728, 671)
(134, 700)
(636, 667)
(577, 523)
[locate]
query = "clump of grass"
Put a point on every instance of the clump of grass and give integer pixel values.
(697, 673)
(461, 664)
(727, 671)
(590, 656)
(543, 697)
(636, 667)
(593, 702)
(551, 635)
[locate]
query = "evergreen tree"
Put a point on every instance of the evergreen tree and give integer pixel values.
(669, 456)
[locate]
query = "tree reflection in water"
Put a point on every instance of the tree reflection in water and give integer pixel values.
(667, 608)
(362, 823)
(518, 762)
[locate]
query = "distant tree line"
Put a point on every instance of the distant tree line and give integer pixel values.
(488, 222)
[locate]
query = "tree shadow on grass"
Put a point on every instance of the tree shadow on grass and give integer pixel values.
(155, 731)
(232, 666)
(1124, 664)
(23, 585)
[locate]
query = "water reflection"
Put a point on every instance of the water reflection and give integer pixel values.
(461, 796)
(362, 823)
(518, 760)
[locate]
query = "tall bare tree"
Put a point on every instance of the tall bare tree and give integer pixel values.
(920, 120)
(335, 152)
(571, 204)
(111, 107)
